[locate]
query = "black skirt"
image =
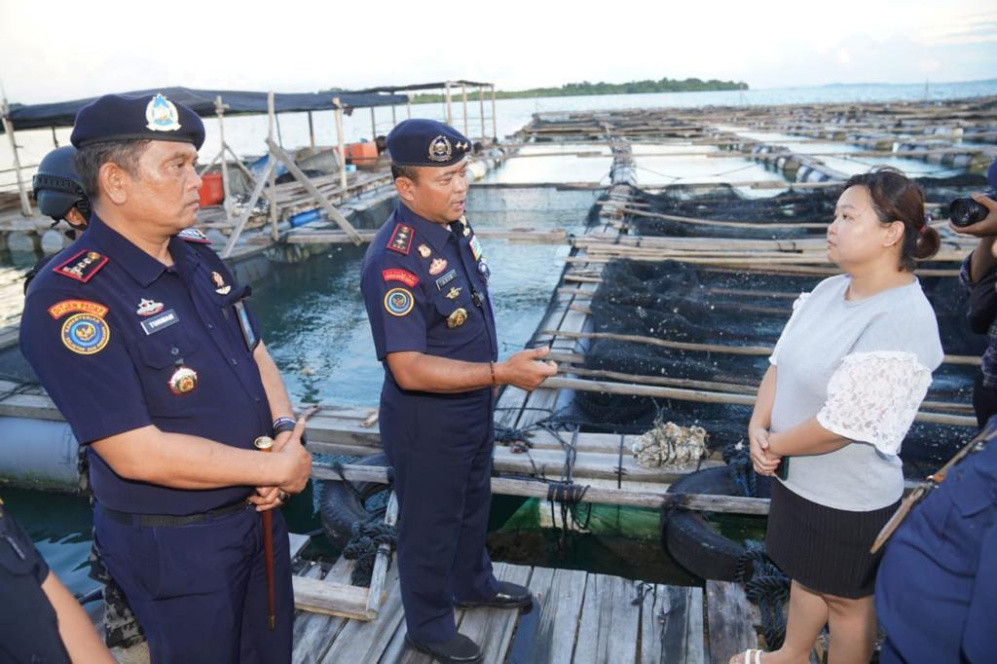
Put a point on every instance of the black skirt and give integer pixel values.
(825, 549)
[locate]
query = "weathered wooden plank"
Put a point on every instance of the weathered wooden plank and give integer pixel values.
(492, 628)
(728, 619)
(559, 597)
(313, 632)
(608, 631)
(330, 598)
(672, 625)
(364, 641)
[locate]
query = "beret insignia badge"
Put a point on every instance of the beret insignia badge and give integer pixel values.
(440, 149)
(161, 114)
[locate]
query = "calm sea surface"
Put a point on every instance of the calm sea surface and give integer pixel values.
(313, 317)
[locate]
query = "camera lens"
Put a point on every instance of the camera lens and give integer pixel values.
(966, 212)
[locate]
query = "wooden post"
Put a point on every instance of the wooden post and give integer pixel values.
(494, 125)
(341, 146)
(8, 127)
(373, 124)
(311, 131)
(310, 187)
(271, 118)
(250, 204)
(394, 120)
(220, 112)
(55, 139)
(481, 102)
(449, 101)
(463, 94)
(381, 562)
(408, 105)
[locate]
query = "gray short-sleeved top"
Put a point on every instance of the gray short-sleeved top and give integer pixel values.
(861, 367)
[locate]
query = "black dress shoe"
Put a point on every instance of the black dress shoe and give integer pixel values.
(458, 650)
(509, 596)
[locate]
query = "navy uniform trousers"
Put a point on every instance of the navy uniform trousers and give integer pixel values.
(441, 449)
(202, 596)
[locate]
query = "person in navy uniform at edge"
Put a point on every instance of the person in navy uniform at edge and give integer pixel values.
(425, 287)
(979, 275)
(936, 593)
(41, 622)
(144, 343)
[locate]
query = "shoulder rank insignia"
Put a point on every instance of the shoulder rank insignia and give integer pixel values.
(82, 266)
(401, 239)
(397, 274)
(193, 235)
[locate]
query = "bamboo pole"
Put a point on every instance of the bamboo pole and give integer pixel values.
(240, 223)
(373, 124)
(463, 94)
(382, 562)
(394, 119)
(341, 146)
(494, 121)
(8, 128)
(970, 360)
(593, 494)
(481, 103)
(299, 175)
(408, 106)
(703, 396)
(226, 188)
(271, 118)
(311, 131)
(449, 105)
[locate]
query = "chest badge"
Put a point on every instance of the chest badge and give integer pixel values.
(183, 381)
(220, 286)
(457, 318)
(425, 251)
(437, 266)
(148, 307)
(454, 292)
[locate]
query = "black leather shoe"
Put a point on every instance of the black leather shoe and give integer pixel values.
(509, 596)
(458, 650)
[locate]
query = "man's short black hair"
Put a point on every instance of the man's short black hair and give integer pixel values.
(410, 172)
(91, 157)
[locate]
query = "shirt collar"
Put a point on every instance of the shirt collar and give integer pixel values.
(436, 234)
(141, 266)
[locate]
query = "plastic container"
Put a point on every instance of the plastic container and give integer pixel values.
(212, 191)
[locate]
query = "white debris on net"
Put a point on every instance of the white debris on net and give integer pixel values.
(668, 444)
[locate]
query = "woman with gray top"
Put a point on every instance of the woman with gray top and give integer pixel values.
(846, 379)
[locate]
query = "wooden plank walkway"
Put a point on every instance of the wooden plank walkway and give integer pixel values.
(577, 618)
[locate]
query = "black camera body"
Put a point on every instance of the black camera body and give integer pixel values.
(966, 212)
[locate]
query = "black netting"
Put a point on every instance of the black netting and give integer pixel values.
(701, 304)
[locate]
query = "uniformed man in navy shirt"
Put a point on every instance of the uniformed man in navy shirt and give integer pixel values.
(144, 342)
(936, 590)
(425, 287)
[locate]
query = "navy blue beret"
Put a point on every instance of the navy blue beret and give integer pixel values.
(419, 142)
(152, 117)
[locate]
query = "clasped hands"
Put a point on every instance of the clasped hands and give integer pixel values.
(763, 459)
(299, 464)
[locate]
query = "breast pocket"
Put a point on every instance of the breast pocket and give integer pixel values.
(170, 372)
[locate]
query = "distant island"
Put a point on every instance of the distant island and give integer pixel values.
(586, 88)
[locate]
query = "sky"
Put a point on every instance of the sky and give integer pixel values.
(57, 50)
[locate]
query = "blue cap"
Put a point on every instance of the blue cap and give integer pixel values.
(149, 117)
(420, 142)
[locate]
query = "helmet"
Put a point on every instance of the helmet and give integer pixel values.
(57, 185)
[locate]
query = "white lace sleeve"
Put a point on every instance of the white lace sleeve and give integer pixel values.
(873, 397)
(797, 305)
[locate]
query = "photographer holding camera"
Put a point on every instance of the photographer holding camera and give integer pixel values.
(977, 216)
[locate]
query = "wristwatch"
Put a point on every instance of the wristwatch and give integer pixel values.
(282, 424)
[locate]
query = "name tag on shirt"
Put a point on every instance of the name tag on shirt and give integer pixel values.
(446, 279)
(160, 322)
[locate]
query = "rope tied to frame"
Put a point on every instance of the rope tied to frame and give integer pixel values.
(366, 538)
(766, 586)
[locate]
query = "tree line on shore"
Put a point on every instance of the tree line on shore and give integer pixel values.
(602, 88)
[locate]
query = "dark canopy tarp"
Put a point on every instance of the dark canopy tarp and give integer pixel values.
(423, 86)
(202, 102)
